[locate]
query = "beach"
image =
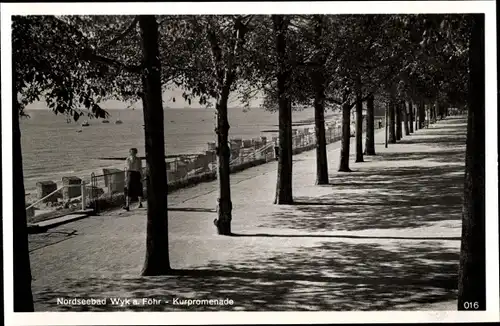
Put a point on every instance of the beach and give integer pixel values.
(53, 148)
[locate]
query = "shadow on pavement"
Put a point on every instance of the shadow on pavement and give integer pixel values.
(51, 237)
(373, 199)
(330, 276)
(192, 209)
(396, 197)
(450, 156)
(445, 141)
(449, 134)
(453, 132)
(269, 235)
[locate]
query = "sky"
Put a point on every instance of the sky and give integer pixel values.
(168, 97)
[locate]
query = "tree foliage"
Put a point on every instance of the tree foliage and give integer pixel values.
(47, 64)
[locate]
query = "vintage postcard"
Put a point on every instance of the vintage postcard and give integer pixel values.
(264, 162)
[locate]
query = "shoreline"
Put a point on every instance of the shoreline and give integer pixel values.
(30, 181)
(85, 174)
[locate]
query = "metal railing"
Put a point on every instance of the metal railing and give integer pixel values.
(50, 198)
(106, 185)
(265, 152)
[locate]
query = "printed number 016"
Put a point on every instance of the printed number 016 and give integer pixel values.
(471, 305)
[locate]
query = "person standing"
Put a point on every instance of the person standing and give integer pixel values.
(276, 150)
(133, 179)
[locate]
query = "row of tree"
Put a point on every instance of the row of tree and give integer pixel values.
(406, 62)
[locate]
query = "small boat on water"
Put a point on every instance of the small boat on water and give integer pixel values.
(118, 122)
(85, 123)
(105, 121)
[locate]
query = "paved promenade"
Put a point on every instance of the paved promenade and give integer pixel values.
(385, 236)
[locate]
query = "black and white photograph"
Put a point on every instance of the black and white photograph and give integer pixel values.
(273, 157)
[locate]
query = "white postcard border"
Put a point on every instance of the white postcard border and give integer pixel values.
(180, 318)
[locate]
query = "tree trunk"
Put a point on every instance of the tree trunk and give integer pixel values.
(319, 121)
(224, 209)
(421, 115)
(225, 76)
(319, 109)
(284, 179)
(346, 138)
(386, 124)
(370, 126)
(472, 272)
(411, 117)
(399, 126)
(284, 193)
(157, 256)
(428, 115)
(405, 119)
(416, 112)
(392, 121)
(359, 122)
(23, 297)
(439, 110)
